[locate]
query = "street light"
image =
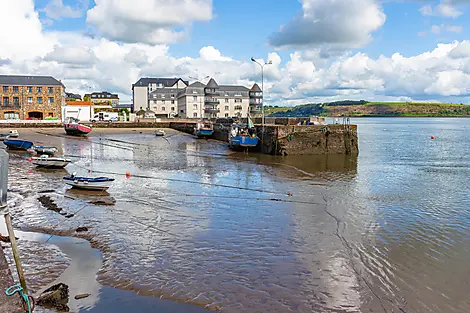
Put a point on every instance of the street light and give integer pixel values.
(262, 87)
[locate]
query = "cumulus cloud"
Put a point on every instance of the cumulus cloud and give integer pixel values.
(83, 61)
(56, 9)
(338, 24)
(147, 21)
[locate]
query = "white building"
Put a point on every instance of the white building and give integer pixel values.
(174, 97)
(78, 109)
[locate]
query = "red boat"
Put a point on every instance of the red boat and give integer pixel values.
(73, 128)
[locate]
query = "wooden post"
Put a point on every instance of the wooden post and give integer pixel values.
(4, 210)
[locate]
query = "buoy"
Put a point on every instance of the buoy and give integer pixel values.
(432, 137)
(89, 171)
(128, 174)
(30, 159)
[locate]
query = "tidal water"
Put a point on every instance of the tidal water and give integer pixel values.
(384, 231)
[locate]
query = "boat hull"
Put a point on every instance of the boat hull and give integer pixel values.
(50, 163)
(243, 142)
(77, 129)
(201, 133)
(89, 183)
(45, 150)
(15, 144)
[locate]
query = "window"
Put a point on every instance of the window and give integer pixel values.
(238, 100)
(226, 114)
(226, 100)
(16, 100)
(6, 101)
(155, 96)
(194, 98)
(39, 89)
(50, 89)
(172, 101)
(226, 108)
(15, 88)
(194, 114)
(51, 100)
(181, 111)
(163, 96)
(40, 100)
(30, 89)
(195, 106)
(5, 88)
(163, 108)
(154, 101)
(172, 108)
(11, 115)
(30, 99)
(172, 96)
(163, 101)
(194, 91)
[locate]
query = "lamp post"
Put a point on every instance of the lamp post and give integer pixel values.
(262, 88)
(200, 102)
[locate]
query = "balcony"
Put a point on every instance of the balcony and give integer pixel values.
(256, 94)
(211, 92)
(211, 101)
(257, 101)
(211, 110)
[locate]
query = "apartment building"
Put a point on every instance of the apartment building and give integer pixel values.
(103, 98)
(31, 97)
(175, 97)
(141, 90)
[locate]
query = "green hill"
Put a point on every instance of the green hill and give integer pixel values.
(364, 108)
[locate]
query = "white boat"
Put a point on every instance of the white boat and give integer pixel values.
(90, 183)
(14, 133)
(159, 132)
(49, 162)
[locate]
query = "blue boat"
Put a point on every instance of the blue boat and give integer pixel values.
(243, 136)
(18, 144)
(203, 129)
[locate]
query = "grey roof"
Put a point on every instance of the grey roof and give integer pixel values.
(233, 88)
(167, 82)
(123, 106)
(255, 88)
(104, 94)
(212, 84)
(197, 84)
(28, 80)
(72, 95)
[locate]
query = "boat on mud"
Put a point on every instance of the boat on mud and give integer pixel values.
(14, 133)
(203, 129)
(74, 128)
(159, 133)
(18, 144)
(48, 162)
(45, 150)
(89, 183)
(243, 136)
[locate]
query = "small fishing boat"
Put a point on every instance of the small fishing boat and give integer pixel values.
(14, 133)
(74, 128)
(18, 144)
(159, 133)
(48, 162)
(243, 135)
(4, 136)
(45, 150)
(89, 183)
(203, 129)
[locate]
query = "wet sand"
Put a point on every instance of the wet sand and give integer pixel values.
(198, 224)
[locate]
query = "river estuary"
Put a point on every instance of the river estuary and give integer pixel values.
(208, 229)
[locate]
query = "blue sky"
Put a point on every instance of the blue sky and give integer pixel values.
(326, 50)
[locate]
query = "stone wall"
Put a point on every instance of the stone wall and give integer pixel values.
(29, 101)
(7, 304)
(308, 140)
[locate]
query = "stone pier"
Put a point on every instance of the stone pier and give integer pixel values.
(293, 139)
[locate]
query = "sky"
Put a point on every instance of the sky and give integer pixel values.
(321, 50)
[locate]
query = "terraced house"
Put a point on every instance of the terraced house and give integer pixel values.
(31, 97)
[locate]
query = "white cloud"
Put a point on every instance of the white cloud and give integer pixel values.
(338, 24)
(147, 21)
(56, 9)
(446, 8)
(438, 29)
(82, 61)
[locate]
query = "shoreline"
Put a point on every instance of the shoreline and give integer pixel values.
(81, 277)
